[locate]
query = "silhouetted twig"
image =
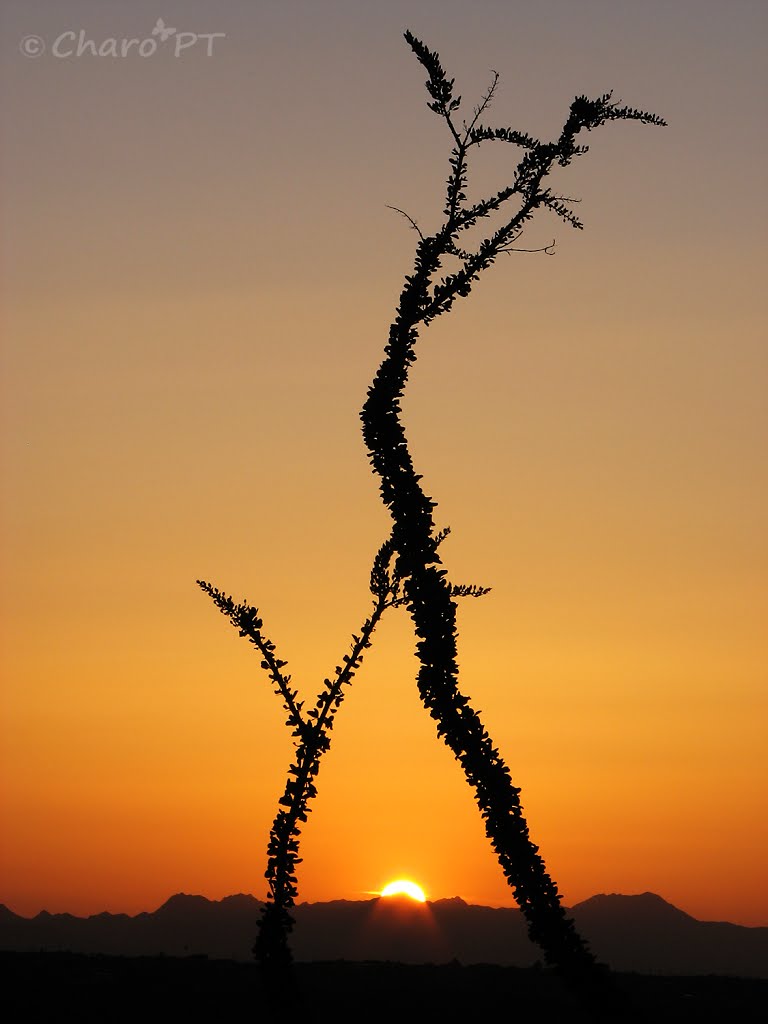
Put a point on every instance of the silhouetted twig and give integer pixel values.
(311, 732)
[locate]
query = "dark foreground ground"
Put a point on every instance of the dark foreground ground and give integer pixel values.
(47, 987)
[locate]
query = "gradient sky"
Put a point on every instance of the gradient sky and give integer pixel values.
(198, 274)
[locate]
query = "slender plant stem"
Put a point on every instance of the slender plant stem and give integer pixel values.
(271, 947)
(433, 610)
(429, 595)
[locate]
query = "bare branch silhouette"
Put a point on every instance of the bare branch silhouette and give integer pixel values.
(311, 732)
(430, 597)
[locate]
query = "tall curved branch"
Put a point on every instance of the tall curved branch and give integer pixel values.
(428, 593)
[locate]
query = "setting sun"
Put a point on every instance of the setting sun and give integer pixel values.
(402, 887)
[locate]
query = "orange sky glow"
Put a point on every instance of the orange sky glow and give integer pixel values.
(198, 273)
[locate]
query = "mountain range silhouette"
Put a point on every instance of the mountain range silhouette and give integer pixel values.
(640, 933)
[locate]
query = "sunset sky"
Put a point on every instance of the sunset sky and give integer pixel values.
(198, 274)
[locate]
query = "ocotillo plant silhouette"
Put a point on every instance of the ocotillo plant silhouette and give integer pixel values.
(311, 731)
(427, 591)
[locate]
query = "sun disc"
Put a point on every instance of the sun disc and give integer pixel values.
(402, 887)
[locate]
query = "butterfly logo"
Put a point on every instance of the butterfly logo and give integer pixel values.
(162, 30)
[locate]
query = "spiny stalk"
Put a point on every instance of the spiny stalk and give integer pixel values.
(429, 596)
(311, 734)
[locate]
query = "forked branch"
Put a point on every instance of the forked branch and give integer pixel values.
(430, 597)
(311, 732)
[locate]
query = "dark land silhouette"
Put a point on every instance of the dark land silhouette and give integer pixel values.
(47, 987)
(640, 933)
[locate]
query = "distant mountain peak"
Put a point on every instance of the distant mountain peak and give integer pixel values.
(644, 903)
(240, 898)
(182, 901)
